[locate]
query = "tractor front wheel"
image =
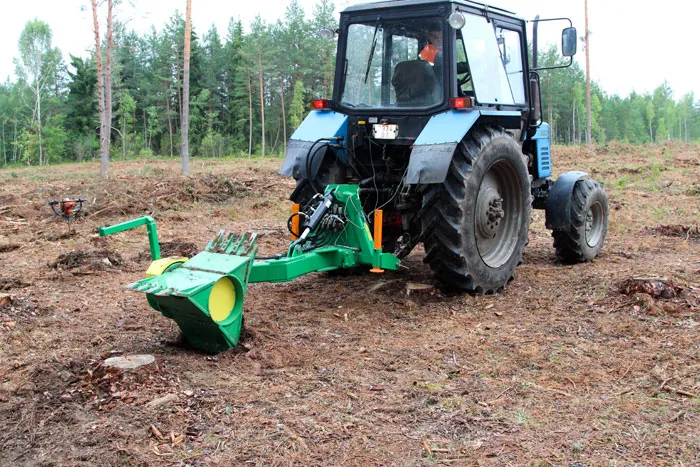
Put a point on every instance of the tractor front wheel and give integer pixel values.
(583, 238)
(476, 221)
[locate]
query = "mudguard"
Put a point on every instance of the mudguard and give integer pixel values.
(558, 204)
(433, 150)
(317, 125)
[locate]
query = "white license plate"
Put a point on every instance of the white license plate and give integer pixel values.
(385, 131)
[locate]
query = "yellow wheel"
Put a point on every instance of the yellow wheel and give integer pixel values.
(159, 266)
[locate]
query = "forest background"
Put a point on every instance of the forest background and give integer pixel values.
(249, 90)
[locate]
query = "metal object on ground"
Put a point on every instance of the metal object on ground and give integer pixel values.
(151, 229)
(67, 208)
(204, 294)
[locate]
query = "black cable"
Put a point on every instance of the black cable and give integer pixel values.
(289, 222)
(279, 256)
(309, 163)
(310, 156)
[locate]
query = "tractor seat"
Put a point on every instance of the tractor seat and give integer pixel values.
(415, 83)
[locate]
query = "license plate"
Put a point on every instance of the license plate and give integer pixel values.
(385, 131)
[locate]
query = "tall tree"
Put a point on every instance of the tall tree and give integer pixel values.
(589, 120)
(260, 41)
(81, 107)
(36, 66)
(185, 150)
(108, 75)
(324, 17)
(103, 81)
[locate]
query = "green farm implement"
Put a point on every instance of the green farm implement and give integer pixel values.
(204, 294)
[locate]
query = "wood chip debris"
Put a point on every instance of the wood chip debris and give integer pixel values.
(168, 398)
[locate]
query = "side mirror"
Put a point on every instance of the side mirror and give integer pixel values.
(568, 42)
(326, 34)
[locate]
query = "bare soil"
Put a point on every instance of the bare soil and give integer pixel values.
(591, 364)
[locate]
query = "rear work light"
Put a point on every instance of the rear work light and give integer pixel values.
(320, 104)
(460, 103)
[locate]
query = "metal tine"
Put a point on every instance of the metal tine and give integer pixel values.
(225, 240)
(138, 286)
(250, 245)
(235, 243)
(154, 289)
(215, 244)
(246, 244)
(164, 292)
(230, 240)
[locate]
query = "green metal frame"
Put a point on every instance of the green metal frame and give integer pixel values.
(150, 224)
(184, 291)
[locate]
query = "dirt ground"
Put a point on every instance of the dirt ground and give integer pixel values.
(591, 364)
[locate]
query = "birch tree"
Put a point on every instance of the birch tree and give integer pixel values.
(36, 66)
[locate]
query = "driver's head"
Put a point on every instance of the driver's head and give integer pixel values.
(433, 36)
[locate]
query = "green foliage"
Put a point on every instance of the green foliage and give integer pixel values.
(245, 73)
(634, 119)
(297, 109)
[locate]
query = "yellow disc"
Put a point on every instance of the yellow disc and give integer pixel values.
(159, 266)
(222, 299)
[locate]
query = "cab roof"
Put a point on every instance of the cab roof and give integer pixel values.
(411, 3)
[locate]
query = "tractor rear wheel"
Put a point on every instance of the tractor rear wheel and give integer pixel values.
(476, 222)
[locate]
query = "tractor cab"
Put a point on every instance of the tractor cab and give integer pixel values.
(417, 57)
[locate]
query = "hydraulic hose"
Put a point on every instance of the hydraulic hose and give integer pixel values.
(315, 219)
(311, 155)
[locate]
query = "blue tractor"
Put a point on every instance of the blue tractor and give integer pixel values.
(436, 116)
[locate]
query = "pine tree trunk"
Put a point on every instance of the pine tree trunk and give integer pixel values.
(124, 137)
(262, 104)
(108, 77)
(250, 116)
(4, 149)
(588, 79)
(179, 89)
(573, 124)
(284, 118)
(14, 140)
(170, 119)
(38, 122)
(104, 145)
(551, 117)
(277, 138)
(186, 92)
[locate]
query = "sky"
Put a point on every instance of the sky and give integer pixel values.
(633, 48)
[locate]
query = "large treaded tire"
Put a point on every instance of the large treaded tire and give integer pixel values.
(588, 225)
(453, 230)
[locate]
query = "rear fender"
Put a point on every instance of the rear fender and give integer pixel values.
(317, 125)
(558, 204)
(433, 150)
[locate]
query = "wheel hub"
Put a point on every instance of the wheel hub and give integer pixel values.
(498, 217)
(490, 212)
(593, 225)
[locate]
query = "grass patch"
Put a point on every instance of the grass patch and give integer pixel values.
(522, 417)
(623, 183)
(659, 214)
